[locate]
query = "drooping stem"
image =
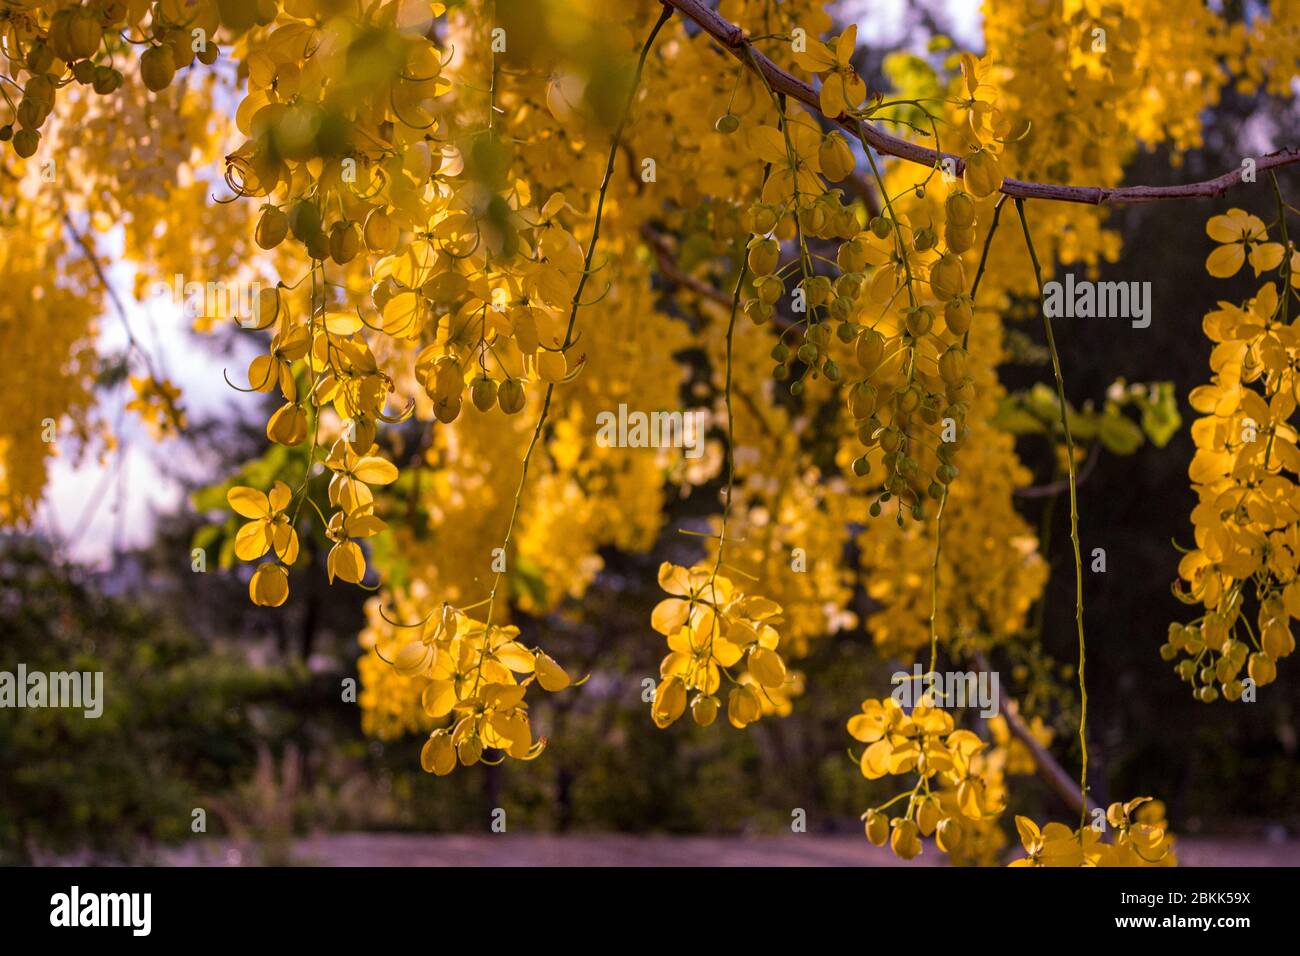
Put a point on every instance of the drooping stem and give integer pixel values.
(1074, 520)
(934, 582)
(664, 17)
(731, 429)
(897, 226)
(731, 450)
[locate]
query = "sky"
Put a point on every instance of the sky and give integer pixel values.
(93, 507)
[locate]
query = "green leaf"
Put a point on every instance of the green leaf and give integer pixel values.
(1010, 417)
(1160, 418)
(1119, 435)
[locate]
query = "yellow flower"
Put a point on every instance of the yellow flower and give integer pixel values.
(688, 586)
(354, 474)
(1053, 845)
(906, 839)
(270, 527)
(983, 118)
(842, 88)
(698, 653)
(288, 425)
(795, 164)
(669, 701)
(743, 706)
(266, 371)
(157, 402)
(982, 174)
(1242, 235)
(438, 755)
(550, 675)
(497, 717)
(454, 673)
(877, 717)
(346, 560)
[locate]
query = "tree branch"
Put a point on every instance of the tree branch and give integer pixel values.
(665, 256)
(1062, 486)
(732, 39)
(1052, 773)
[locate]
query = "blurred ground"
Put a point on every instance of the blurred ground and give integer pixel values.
(402, 849)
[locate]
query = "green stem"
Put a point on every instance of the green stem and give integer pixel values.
(1074, 521)
(934, 582)
(664, 16)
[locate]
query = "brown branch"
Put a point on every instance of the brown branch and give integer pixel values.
(93, 258)
(664, 255)
(732, 39)
(668, 268)
(133, 344)
(1052, 773)
(1055, 488)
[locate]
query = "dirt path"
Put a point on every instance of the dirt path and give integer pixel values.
(405, 849)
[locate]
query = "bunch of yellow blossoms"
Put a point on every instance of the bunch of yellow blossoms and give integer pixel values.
(714, 630)
(1141, 838)
(1247, 519)
(926, 744)
(478, 675)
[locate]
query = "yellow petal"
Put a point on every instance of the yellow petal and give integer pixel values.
(248, 502)
(1265, 256)
(767, 667)
(252, 541)
(516, 657)
(280, 496)
(768, 144)
(832, 96)
(346, 562)
(669, 615)
(846, 44)
(1224, 228)
(551, 675)
(285, 541)
(269, 586)
(375, 471)
(1225, 261)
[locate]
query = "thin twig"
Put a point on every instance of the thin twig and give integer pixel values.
(1052, 489)
(1074, 518)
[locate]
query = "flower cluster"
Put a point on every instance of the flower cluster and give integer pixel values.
(1246, 559)
(1141, 838)
(478, 675)
(714, 631)
(927, 745)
